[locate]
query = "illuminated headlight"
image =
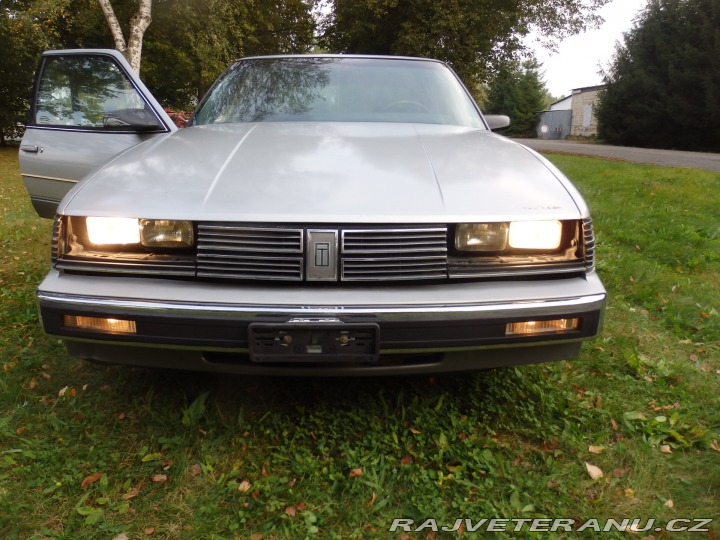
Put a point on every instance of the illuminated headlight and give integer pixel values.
(532, 235)
(166, 233)
(112, 231)
(163, 233)
(481, 236)
(535, 234)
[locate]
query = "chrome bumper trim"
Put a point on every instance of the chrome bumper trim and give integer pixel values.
(380, 311)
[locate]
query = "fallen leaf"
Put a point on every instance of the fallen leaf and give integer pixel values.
(160, 478)
(256, 537)
(669, 503)
(195, 469)
(415, 431)
(131, 494)
(596, 449)
(614, 424)
(121, 536)
(665, 449)
(121, 416)
(166, 465)
(32, 384)
(594, 472)
(263, 473)
(406, 460)
(291, 511)
(630, 493)
(714, 445)
(20, 431)
(62, 391)
(372, 500)
(355, 473)
(553, 483)
(244, 486)
(91, 479)
(301, 506)
(292, 482)
(149, 531)
(619, 473)
(45, 366)
(45, 375)
(648, 378)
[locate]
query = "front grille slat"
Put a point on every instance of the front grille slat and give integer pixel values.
(240, 252)
(393, 254)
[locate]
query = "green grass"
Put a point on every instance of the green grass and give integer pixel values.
(201, 456)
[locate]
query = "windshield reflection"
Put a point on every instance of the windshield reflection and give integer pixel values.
(323, 89)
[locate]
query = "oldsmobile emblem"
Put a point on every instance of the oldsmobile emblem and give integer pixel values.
(321, 261)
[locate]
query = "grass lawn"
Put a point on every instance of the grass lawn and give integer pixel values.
(90, 452)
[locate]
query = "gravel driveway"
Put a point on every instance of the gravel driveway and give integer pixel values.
(669, 158)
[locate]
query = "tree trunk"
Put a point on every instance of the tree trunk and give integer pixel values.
(132, 49)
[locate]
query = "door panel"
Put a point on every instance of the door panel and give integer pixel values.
(88, 106)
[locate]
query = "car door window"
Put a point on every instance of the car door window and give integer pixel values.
(89, 92)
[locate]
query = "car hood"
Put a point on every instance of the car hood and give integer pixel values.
(328, 173)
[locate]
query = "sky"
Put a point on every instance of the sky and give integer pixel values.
(576, 64)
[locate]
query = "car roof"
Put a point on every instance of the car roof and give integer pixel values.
(341, 56)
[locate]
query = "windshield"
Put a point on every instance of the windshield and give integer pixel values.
(322, 89)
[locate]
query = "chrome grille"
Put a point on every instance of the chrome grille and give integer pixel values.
(364, 254)
(55, 242)
(589, 243)
(237, 252)
(379, 241)
(393, 254)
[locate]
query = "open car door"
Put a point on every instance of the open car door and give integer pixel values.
(88, 106)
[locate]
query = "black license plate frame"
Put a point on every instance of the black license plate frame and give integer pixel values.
(334, 342)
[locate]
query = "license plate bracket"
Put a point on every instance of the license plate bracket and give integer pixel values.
(334, 342)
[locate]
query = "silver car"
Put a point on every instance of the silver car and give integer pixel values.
(320, 215)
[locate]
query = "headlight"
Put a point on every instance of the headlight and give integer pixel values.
(531, 235)
(535, 234)
(481, 236)
(162, 233)
(166, 233)
(112, 231)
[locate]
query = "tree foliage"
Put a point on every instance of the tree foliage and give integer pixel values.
(475, 36)
(25, 30)
(519, 92)
(185, 48)
(664, 82)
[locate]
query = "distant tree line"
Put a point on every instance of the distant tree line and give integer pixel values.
(664, 81)
(189, 42)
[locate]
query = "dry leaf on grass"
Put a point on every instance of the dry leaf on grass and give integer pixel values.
(665, 449)
(596, 449)
(244, 486)
(121, 536)
(195, 469)
(669, 503)
(714, 445)
(91, 479)
(131, 494)
(291, 511)
(594, 472)
(160, 478)
(355, 473)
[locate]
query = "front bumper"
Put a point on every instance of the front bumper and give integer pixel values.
(420, 328)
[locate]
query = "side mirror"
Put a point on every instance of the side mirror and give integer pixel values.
(138, 119)
(497, 121)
